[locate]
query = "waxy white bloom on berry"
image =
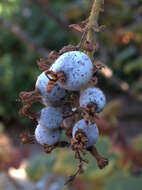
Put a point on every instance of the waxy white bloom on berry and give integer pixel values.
(93, 95)
(47, 137)
(54, 97)
(91, 131)
(50, 117)
(77, 68)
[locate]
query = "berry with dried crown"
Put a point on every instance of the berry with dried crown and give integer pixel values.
(95, 96)
(77, 68)
(91, 131)
(54, 97)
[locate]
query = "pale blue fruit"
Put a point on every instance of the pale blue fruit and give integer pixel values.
(47, 137)
(93, 95)
(77, 68)
(54, 97)
(51, 117)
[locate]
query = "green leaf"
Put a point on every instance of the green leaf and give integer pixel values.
(40, 165)
(121, 181)
(135, 65)
(137, 142)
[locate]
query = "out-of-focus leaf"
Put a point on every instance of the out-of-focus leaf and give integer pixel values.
(66, 163)
(135, 65)
(137, 142)
(40, 165)
(1, 127)
(126, 54)
(121, 181)
(137, 85)
(111, 110)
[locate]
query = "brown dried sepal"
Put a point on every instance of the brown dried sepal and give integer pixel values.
(68, 132)
(98, 28)
(53, 55)
(55, 77)
(76, 28)
(68, 48)
(50, 86)
(26, 111)
(61, 144)
(30, 97)
(79, 141)
(43, 64)
(27, 139)
(89, 113)
(84, 23)
(97, 66)
(48, 149)
(61, 77)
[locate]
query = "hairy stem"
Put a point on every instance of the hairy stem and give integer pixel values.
(93, 21)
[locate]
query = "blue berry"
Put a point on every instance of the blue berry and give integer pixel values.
(77, 68)
(47, 137)
(54, 97)
(50, 117)
(93, 95)
(68, 122)
(91, 131)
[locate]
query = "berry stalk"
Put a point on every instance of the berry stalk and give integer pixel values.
(93, 22)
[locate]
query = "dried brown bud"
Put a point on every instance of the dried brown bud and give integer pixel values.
(26, 111)
(43, 64)
(27, 139)
(98, 28)
(97, 66)
(48, 149)
(53, 55)
(76, 28)
(67, 49)
(61, 77)
(30, 97)
(50, 86)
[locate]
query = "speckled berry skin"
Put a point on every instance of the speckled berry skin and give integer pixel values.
(47, 137)
(91, 132)
(68, 122)
(50, 117)
(77, 68)
(93, 95)
(54, 97)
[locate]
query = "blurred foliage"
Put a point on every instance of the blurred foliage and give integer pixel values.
(137, 142)
(62, 162)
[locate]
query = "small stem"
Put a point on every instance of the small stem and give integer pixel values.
(101, 161)
(93, 21)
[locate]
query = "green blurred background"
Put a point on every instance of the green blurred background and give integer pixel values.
(29, 30)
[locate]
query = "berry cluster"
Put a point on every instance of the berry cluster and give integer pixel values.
(70, 105)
